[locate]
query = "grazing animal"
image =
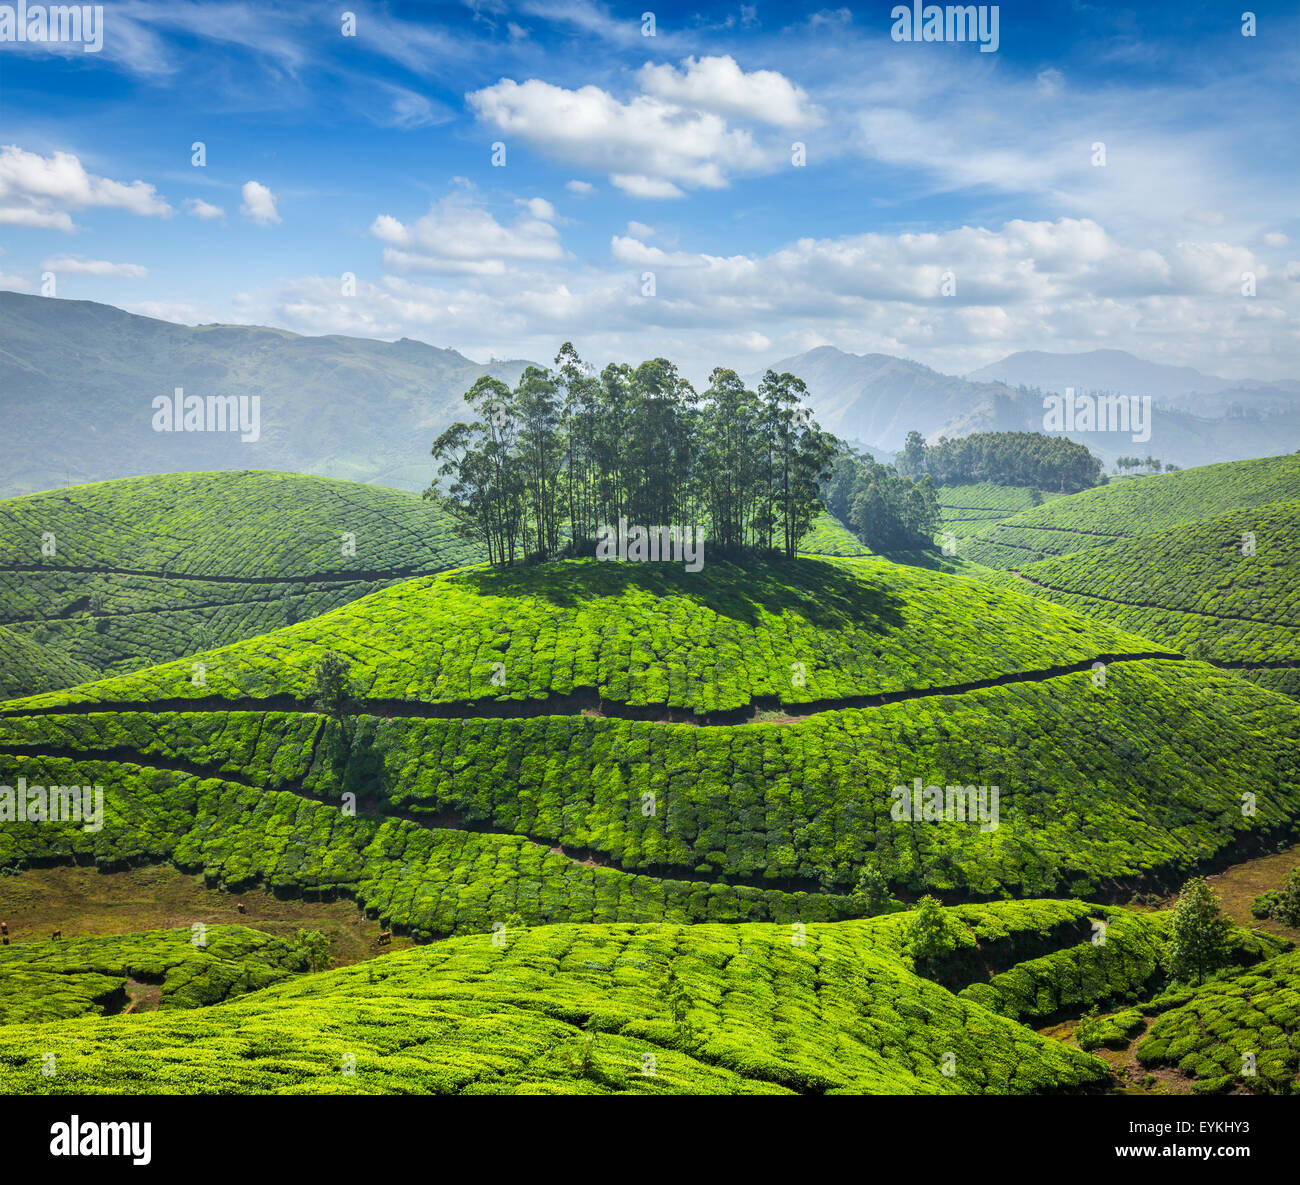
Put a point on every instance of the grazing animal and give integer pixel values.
(4, 939)
(385, 936)
(4, 927)
(241, 908)
(57, 934)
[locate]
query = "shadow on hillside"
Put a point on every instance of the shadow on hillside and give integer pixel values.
(823, 593)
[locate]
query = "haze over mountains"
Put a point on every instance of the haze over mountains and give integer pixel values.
(1198, 420)
(368, 410)
(336, 406)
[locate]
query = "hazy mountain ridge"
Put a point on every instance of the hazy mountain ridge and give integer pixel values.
(78, 380)
(336, 406)
(878, 399)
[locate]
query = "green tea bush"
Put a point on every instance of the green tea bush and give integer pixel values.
(657, 1009)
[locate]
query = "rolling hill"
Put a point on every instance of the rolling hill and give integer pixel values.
(1194, 588)
(123, 574)
(703, 1009)
(1132, 508)
(726, 747)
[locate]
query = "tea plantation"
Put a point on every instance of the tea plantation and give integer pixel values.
(1239, 1033)
(55, 980)
(122, 574)
(595, 1009)
(630, 811)
(1225, 589)
(1127, 509)
(1134, 771)
(801, 632)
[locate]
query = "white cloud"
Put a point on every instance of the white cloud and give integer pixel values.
(37, 191)
(205, 210)
(1049, 82)
(718, 84)
(259, 204)
(75, 265)
(581, 188)
(639, 230)
(458, 236)
(636, 185)
(648, 146)
(1275, 238)
(539, 208)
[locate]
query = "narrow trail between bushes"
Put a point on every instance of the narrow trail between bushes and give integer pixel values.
(334, 577)
(446, 819)
(589, 703)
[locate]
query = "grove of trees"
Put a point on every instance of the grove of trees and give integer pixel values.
(544, 466)
(882, 508)
(1004, 458)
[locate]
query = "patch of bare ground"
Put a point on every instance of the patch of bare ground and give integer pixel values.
(1128, 1075)
(85, 903)
(144, 997)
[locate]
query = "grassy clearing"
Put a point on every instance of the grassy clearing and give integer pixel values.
(87, 902)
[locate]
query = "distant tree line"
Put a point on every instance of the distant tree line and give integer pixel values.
(543, 467)
(1004, 458)
(1149, 463)
(885, 510)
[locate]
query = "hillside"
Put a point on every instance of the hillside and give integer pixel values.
(147, 569)
(342, 407)
(189, 968)
(697, 771)
(706, 1009)
(1130, 509)
(877, 399)
(30, 667)
(1193, 588)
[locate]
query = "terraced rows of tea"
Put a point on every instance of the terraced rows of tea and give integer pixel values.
(1225, 589)
(973, 509)
(56, 980)
(1139, 773)
(634, 1008)
(597, 1009)
(122, 574)
(1132, 508)
(629, 812)
(801, 632)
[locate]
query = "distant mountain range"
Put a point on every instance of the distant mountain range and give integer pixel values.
(876, 400)
(78, 381)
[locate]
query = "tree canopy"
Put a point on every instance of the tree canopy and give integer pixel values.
(544, 466)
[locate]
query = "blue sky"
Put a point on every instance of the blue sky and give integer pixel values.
(949, 209)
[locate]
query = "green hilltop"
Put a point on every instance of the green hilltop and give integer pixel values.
(1130, 508)
(123, 574)
(660, 725)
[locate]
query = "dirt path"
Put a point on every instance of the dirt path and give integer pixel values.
(588, 702)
